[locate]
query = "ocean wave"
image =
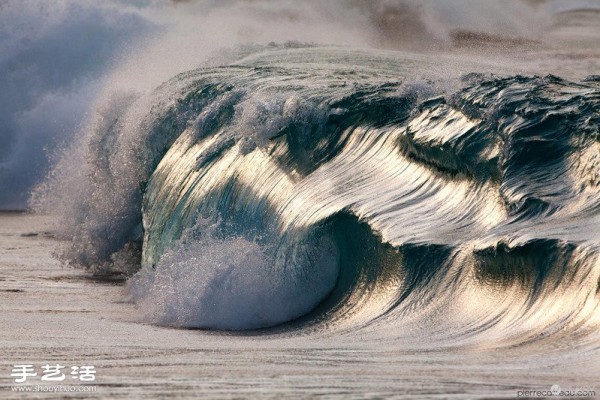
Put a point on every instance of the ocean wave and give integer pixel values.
(295, 187)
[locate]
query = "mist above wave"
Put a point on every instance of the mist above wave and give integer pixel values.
(53, 59)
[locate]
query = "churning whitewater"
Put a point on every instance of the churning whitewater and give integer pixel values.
(319, 188)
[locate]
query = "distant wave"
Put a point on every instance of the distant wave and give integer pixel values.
(319, 188)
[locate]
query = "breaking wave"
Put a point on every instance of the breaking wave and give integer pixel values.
(320, 188)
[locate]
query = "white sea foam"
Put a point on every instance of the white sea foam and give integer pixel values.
(230, 282)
